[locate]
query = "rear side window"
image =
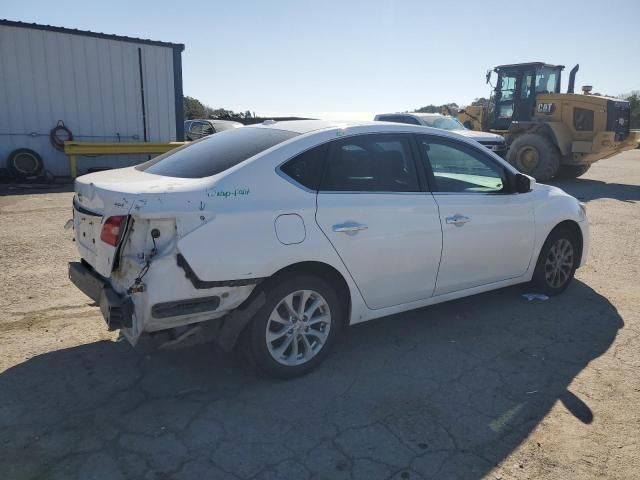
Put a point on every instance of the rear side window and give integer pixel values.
(306, 168)
(371, 163)
(216, 153)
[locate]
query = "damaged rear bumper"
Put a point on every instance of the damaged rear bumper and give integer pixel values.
(116, 309)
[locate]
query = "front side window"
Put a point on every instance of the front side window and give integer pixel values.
(371, 163)
(215, 153)
(507, 93)
(459, 169)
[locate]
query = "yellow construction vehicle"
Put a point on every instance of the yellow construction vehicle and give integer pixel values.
(550, 133)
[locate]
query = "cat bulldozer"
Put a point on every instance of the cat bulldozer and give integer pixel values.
(550, 133)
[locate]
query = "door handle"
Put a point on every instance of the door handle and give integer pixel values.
(457, 220)
(350, 228)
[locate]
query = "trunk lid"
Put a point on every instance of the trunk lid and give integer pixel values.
(121, 192)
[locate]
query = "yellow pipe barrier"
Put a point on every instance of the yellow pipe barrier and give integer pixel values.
(75, 149)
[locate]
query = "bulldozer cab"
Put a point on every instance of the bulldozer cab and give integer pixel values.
(514, 94)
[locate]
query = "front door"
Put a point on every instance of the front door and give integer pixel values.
(382, 224)
(526, 96)
(488, 233)
(504, 100)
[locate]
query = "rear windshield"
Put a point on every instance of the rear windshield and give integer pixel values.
(216, 153)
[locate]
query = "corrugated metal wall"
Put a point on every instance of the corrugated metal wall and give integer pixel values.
(91, 84)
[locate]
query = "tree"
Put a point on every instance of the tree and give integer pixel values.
(451, 107)
(428, 109)
(480, 102)
(193, 108)
(222, 113)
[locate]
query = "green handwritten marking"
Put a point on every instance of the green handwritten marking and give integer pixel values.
(238, 192)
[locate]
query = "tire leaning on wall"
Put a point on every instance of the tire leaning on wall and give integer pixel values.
(24, 162)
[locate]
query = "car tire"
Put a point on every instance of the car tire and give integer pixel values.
(557, 262)
(572, 171)
(274, 355)
(24, 162)
(535, 155)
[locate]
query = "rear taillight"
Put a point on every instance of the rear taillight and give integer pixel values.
(112, 230)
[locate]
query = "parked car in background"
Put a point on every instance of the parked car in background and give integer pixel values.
(492, 141)
(287, 231)
(195, 129)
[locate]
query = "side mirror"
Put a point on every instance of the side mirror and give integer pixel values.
(524, 183)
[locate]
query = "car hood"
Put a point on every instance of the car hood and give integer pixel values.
(480, 136)
(551, 191)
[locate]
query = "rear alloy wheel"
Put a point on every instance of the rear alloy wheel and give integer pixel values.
(535, 155)
(557, 262)
(572, 171)
(298, 327)
(294, 330)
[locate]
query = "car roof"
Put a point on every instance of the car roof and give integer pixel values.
(213, 121)
(412, 114)
(302, 127)
(306, 126)
(527, 64)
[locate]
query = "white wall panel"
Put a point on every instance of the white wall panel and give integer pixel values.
(92, 84)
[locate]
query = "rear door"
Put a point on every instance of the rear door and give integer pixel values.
(379, 219)
(488, 232)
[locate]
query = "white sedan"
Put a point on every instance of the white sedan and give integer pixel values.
(282, 233)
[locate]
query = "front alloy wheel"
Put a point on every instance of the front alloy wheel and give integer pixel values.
(559, 263)
(298, 327)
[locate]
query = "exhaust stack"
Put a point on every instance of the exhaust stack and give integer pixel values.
(572, 78)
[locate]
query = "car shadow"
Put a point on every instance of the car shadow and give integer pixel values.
(447, 391)
(16, 188)
(586, 190)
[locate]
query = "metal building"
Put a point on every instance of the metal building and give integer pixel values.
(104, 88)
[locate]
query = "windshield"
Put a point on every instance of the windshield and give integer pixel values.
(216, 153)
(444, 123)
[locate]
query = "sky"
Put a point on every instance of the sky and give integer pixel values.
(352, 59)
